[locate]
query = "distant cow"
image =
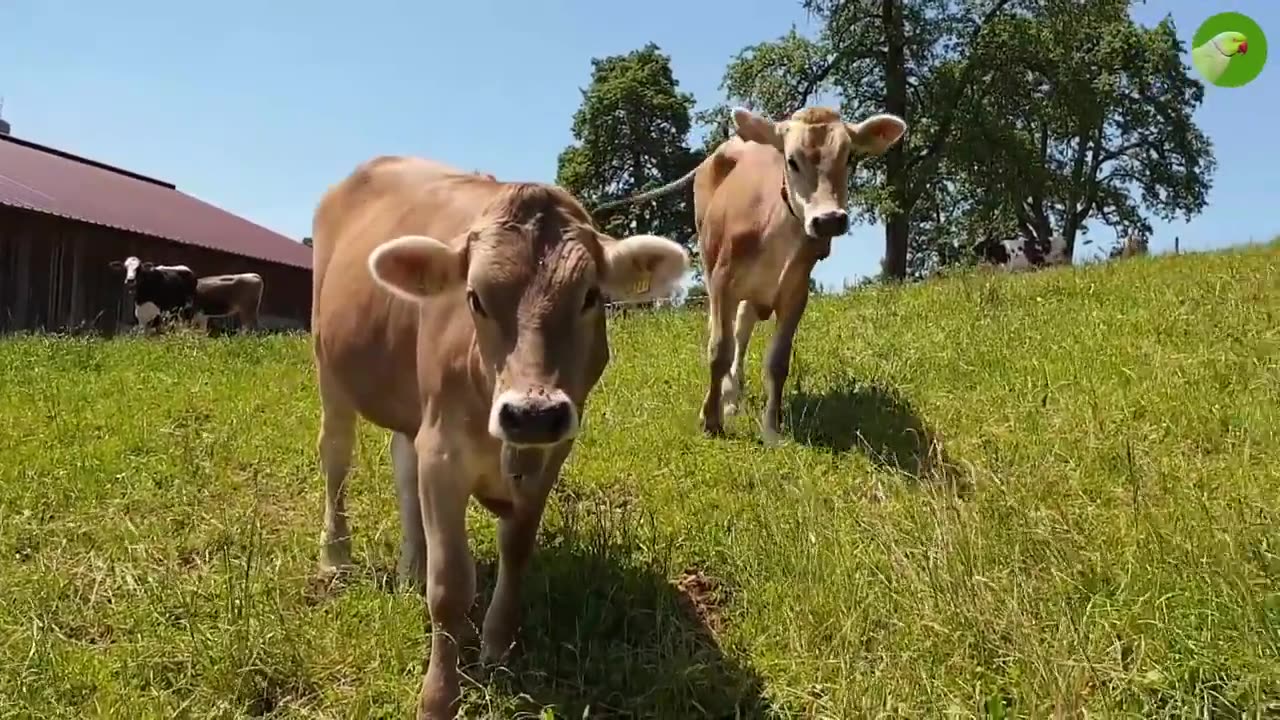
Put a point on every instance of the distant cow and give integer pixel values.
(1133, 246)
(157, 290)
(465, 316)
(224, 295)
(1021, 254)
(174, 291)
(767, 204)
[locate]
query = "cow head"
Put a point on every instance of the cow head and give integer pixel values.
(533, 273)
(819, 149)
(133, 268)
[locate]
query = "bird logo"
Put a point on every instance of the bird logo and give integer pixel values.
(1228, 50)
(1213, 57)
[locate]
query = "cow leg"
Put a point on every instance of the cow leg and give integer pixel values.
(793, 296)
(249, 318)
(412, 568)
(733, 386)
(719, 350)
(444, 492)
(517, 540)
(336, 442)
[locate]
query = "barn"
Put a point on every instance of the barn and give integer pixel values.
(63, 218)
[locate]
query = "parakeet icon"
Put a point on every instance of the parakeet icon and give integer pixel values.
(1212, 58)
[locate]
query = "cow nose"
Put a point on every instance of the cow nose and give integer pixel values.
(535, 420)
(831, 224)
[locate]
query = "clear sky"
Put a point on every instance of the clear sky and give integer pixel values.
(257, 107)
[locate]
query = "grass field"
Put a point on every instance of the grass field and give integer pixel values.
(1004, 497)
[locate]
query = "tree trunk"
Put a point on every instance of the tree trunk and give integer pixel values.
(898, 225)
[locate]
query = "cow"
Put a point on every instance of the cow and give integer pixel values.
(156, 290)
(175, 291)
(1021, 254)
(767, 203)
(238, 294)
(1133, 246)
(464, 315)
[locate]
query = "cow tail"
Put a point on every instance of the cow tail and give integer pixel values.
(667, 189)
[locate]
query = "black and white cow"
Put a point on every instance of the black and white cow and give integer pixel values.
(174, 290)
(1021, 254)
(157, 290)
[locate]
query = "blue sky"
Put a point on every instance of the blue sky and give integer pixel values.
(259, 106)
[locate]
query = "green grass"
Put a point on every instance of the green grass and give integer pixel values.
(1004, 497)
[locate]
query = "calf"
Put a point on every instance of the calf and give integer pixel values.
(766, 205)
(156, 290)
(464, 315)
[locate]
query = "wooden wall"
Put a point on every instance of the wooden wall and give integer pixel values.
(54, 275)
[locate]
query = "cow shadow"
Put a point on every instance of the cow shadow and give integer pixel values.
(608, 635)
(605, 631)
(877, 421)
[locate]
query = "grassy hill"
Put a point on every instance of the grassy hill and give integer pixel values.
(1005, 496)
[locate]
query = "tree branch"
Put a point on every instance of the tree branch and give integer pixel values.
(805, 89)
(962, 87)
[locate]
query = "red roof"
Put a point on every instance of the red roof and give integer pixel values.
(47, 180)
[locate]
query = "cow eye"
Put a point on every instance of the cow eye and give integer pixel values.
(474, 301)
(794, 165)
(591, 300)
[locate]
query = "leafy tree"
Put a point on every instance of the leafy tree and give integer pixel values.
(907, 57)
(1093, 121)
(307, 241)
(631, 135)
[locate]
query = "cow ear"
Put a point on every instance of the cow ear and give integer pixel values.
(754, 128)
(876, 134)
(642, 267)
(115, 265)
(147, 266)
(417, 267)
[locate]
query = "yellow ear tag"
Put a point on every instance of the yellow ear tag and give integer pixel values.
(641, 285)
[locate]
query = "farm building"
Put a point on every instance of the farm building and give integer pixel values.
(63, 218)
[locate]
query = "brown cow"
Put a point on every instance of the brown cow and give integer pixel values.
(477, 350)
(766, 205)
(238, 294)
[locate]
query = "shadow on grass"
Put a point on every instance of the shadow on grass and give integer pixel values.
(878, 422)
(607, 634)
(606, 631)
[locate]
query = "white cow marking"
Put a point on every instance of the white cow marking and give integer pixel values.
(131, 264)
(146, 312)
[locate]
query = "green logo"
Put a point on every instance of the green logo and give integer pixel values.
(1229, 50)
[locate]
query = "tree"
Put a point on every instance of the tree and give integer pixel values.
(898, 56)
(1094, 121)
(631, 135)
(307, 241)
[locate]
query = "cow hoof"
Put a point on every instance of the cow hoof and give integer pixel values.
(495, 653)
(772, 438)
(335, 558)
(412, 574)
